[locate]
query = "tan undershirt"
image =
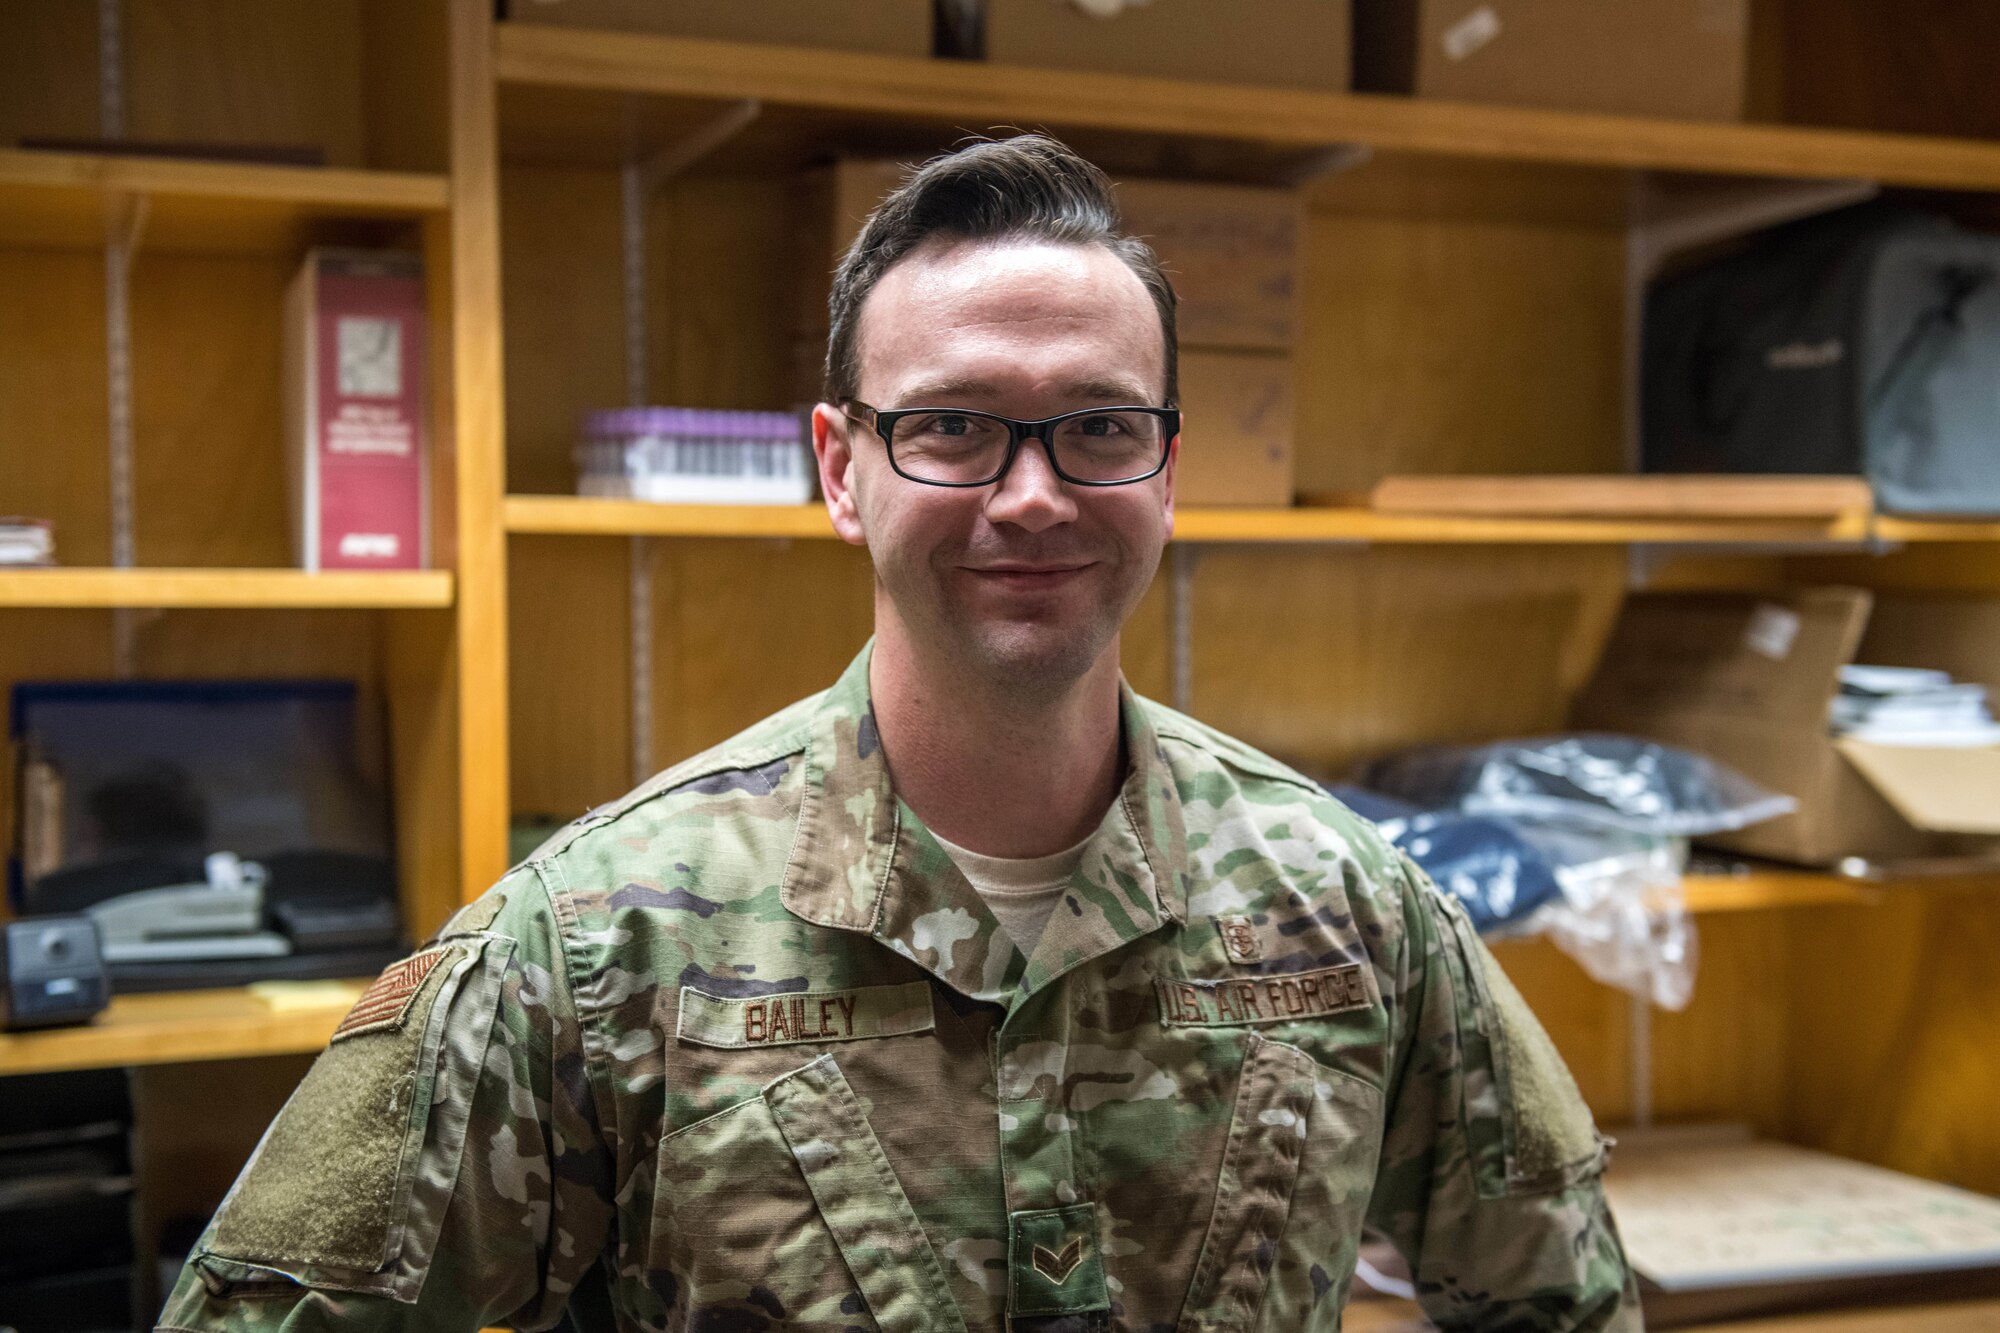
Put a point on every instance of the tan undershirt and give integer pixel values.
(1021, 892)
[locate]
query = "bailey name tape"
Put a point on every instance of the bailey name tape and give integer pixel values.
(802, 1016)
(1288, 998)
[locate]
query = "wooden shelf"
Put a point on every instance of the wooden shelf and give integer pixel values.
(581, 516)
(854, 94)
(246, 588)
(171, 1027)
(1935, 530)
(59, 201)
(1763, 889)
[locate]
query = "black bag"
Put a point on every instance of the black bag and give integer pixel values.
(1864, 342)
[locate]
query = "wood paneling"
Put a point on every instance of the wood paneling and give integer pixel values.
(1435, 344)
(246, 71)
(1895, 1028)
(1720, 1059)
(209, 448)
(1326, 657)
(748, 627)
(564, 305)
(53, 431)
(569, 714)
(1915, 66)
(48, 70)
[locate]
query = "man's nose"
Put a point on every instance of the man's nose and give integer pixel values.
(1031, 495)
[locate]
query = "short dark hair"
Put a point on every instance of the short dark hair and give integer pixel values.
(1028, 187)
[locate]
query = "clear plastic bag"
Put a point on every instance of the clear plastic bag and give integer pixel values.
(1630, 783)
(1621, 914)
(1607, 895)
(1497, 876)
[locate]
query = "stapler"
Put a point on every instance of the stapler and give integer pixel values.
(221, 917)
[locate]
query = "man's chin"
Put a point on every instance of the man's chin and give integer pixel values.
(1038, 657)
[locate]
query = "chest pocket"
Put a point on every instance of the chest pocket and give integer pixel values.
(1297, 1171)
(783, 1211)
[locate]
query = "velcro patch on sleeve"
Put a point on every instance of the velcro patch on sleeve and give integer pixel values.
(1241, 1001)
(805, 1016)
(386, 1002)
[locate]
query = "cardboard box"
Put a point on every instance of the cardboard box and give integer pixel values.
(1748, 678)
(1233, 252)
(883, 27)
(1236, 430)
(1272, 43)
(1681, 58)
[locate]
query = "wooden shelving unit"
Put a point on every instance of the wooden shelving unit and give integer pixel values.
(57, 200)
(1465, 309)
(221, 588)
(577, 516)
(1467, 302)
(948, 96)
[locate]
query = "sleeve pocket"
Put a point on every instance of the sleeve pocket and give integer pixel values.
(1528, 1130)
(349, 1186)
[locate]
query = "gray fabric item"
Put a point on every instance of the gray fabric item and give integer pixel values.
(1865, 342)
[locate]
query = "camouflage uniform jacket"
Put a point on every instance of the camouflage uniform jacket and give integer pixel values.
(744, 1051)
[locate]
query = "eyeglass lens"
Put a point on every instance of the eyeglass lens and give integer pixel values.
(968, 447)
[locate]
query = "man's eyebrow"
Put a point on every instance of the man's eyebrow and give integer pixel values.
(952, 390)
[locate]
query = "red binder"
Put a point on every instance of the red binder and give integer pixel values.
(355, 368)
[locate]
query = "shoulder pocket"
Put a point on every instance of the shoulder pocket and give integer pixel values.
(348, 1188)
(1527, 1127)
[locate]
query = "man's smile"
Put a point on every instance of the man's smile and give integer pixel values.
(1027, 577)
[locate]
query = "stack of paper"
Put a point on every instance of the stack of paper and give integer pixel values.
(1911, 706)
(27, 541)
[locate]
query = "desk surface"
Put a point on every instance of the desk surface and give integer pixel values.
(281, 1018)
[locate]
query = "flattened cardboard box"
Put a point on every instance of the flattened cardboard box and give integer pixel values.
(1274, 43)
(1677, 58)
(1236, 432)
(1747, 679)
(883, 27)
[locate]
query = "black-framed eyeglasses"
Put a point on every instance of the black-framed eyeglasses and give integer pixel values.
(956, 446)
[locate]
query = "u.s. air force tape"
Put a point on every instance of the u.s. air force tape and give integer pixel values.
(787, 1020)
(1287, 998)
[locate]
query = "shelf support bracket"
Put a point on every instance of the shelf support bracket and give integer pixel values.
(124, 221)
(698, 143)
(1329, 161)
(641, 180)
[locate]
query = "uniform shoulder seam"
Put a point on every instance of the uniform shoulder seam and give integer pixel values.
(1171, 725)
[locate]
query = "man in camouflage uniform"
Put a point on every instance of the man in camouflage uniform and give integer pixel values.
(769, 1045)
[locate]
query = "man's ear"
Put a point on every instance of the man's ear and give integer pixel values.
(1173, 457)
(831, 448)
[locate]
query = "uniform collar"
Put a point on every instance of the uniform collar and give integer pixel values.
(862, 861)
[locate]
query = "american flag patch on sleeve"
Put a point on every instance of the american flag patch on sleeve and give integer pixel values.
(386, 1002)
